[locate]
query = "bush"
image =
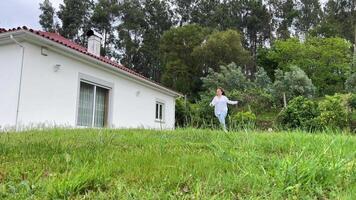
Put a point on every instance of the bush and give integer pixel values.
(243, 120)
(262, 80)
(333, 112)
(258, 100)
(352, 101)
(350, 84)
(300, 113)
(230, 77)
(293, 83)
(182, 114)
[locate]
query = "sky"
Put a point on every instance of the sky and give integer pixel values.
(15, 13)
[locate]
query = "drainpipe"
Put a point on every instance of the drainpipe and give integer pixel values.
(20, 84)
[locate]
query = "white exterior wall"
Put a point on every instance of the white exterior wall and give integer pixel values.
(10, 65)
(51, 97)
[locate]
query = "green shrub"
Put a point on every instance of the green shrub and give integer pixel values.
(352, 101)
(292, 83)
(182, 112)
(300, 113)
(350, 84)
(258, 100)
(243, 120)
(333, 112)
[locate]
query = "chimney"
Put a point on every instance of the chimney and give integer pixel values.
(94, 42)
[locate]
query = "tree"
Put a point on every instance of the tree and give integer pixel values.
(47, 16)
(230, 77)
(256, 21)
(325, 60)
(283, 13)
(292, 83)
(350, 83)
(262, 79)
(309, 14)
(183, 10)
(339, 20)
(75, 17)
(104, 15)
(181, 69)
(142, 26)
(213, 13)
(222, 48)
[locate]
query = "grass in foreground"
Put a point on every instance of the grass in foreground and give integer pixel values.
(181, 164)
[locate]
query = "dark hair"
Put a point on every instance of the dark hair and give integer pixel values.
(222, 90)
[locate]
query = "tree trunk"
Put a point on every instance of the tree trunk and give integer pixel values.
(284, 100)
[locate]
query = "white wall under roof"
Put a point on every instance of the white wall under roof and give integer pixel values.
(49, 97)
(10, 65)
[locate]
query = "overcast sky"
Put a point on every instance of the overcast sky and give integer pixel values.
(14, 13)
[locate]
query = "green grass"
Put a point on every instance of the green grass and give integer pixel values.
(181, 164)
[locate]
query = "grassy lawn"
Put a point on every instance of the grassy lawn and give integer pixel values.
(181, 164)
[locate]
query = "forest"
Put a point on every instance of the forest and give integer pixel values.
(290, 63)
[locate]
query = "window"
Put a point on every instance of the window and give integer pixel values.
(93, 105)
(159, 111)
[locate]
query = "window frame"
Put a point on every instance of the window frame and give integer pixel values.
(163, 110)
(96, 83)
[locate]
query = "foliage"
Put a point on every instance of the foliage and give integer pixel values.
(47, 16)
(255, 94)
(181, 69)
(180, 164)
(262, 80)
(245, 120)
(182, 112)
(334, 112)
(337, 20)
(352, 101)
(257, 100)
(292, 83)
(301, 113)
(230, 77)
(74, 16)
(221, 48)
(326, 61)
(142, 24)
(104, 14)
(350, 83)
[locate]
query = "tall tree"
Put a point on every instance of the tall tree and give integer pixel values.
(75, 17)
(183, 10)
(212, 13)
(338, 20)
(284, 13)
(256, 21)
(181, 69)
(309, 14)
(143, 22)
(104, 16)
(222, 48)
(47, 16)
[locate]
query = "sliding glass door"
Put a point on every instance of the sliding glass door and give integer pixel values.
(93, 105)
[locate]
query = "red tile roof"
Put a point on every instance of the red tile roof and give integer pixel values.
(68, 43)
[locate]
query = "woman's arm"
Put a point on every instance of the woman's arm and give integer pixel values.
(231, 102)
(213, 102)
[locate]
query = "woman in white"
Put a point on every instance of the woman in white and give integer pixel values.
(220, 102)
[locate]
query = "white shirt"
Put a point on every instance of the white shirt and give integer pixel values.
(220, 104)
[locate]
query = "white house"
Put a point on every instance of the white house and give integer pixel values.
(47, 79)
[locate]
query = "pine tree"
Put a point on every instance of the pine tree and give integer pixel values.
(47, 16)
(104, 16)
(75, 16)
